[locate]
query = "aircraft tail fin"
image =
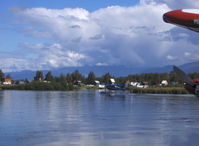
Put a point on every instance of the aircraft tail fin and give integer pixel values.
(183, 75)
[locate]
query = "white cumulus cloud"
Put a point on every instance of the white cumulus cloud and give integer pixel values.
(116, 35)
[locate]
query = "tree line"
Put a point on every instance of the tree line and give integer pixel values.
(150, 78)
(73, 77)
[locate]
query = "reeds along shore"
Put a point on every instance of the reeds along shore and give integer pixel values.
(41, 86)
(159, 90)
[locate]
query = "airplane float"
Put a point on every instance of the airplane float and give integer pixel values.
(187, 18)
(115, 86)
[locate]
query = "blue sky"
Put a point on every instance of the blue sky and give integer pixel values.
(90, 5)
(49, 34)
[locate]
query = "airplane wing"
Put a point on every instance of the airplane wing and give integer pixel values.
(187, 18)
(183, 76)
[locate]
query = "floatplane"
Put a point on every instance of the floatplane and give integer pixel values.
(113, 89)
(189, 19)
(114, 86)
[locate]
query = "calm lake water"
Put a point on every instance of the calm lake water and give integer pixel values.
(93, 118)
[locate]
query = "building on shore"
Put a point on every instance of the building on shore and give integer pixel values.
(7, 81)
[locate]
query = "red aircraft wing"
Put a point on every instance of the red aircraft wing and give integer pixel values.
(188, 18)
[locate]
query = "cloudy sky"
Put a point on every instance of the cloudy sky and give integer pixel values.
(43, 34)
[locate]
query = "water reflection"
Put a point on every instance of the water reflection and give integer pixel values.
(97, 118)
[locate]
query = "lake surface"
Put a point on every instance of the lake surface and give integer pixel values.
(94, 118)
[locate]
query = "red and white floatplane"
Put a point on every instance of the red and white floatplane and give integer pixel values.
(187, 18)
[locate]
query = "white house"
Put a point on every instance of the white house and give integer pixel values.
(164, 83)
(7, 81)
(97, 82)
(139, 85)
(134, 84)
(112, 81)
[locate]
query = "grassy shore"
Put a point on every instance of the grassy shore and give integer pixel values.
(159, 90)
(53, 86)
(41, 86)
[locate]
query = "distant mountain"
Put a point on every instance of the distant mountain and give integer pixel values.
(190, 67)
(164, 69)
(100, 70)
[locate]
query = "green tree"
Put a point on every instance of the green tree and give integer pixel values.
(91, 78)
(62, 78)
(26, 80)
(76, 76)
(106, 78)
(2, 75)
(39, 76)
(68, 78)
(49, 76)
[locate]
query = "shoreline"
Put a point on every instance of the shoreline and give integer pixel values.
(40, 86)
